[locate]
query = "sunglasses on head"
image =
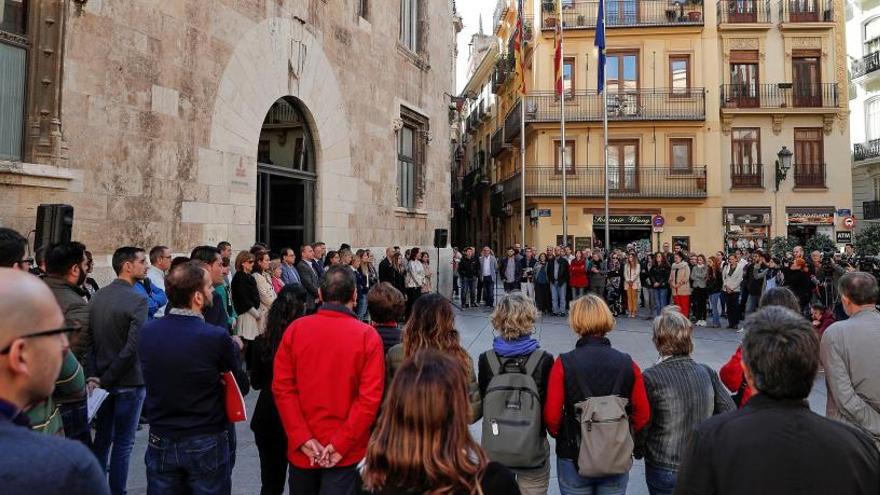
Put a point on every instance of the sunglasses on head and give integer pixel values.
(42, 333)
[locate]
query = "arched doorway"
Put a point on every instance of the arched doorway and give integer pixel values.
(285, 177)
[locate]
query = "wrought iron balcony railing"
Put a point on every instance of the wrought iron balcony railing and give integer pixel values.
(743, 11)
(496, 144)
(746, 175)
(643, 104)
(866, 151)
(512, 123)
(583, 14)
(809, 175)
(806, 11)
(781, 95)
(637, 182)
(865, 65)
(871, 210)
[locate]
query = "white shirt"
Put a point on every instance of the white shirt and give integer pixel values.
(487, 266)
(157, 277)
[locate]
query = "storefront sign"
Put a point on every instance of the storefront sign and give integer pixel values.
(747, 216)
(844, 212)
(544, 213)
(844, 237)
(624, 220)
(810, 216)
(581, 243)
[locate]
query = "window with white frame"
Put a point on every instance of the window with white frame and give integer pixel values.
(409, 24)
(872, 119)
(411, 146)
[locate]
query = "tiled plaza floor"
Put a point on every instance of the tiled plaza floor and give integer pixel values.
(712, 346)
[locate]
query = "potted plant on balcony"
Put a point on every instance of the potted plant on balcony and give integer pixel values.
(695, 15)
(549, 8)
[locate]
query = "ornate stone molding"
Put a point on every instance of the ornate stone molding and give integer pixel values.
(828, 123)
(46, 23)
(726, 123)
(35, 175)
(777, 123)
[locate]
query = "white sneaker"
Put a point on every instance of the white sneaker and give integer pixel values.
(701, 323)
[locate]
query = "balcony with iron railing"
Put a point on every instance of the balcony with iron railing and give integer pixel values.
(871, 210)
(743, 13)
(780, 95)
(640, 182)
(806, 12)
(866, 151)
(637, 105)
(746, 176)
(513, 122)
(869, 64)
(496, 144)
(583, 14)
(811, 175)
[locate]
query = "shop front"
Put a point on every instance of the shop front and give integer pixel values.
(624, 230)
(746, 228)
(807, 222)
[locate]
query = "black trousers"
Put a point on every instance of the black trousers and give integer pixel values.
(412, 293)
(333, 481)
(733, 309)
(699, 298)
(273, 463)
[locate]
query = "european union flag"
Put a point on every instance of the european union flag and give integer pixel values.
(600, 44)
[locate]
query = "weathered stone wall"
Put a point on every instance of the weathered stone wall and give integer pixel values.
(163, 103)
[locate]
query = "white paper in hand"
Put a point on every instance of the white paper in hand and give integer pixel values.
(96, 398)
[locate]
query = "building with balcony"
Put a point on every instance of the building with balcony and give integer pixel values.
(863, 48)
(700, 99)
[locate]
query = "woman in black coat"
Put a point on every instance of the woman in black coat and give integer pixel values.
(246, 301)
(266, 424)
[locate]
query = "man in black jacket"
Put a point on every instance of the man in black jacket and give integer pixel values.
(468, 271)
(557, 275)
(386, 269)
(209, 257)
(309, 276)
(775, 444)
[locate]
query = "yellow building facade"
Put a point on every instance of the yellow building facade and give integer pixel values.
(701, 100)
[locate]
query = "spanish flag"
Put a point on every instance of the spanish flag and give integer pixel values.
(518, 50)
(557, 58)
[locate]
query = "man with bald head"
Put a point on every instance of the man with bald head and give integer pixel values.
(33, 342)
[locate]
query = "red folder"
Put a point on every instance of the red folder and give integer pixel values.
(236, 411)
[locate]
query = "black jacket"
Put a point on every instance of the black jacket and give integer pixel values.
(469, 267)
(386, 271)
(266, 421)
(659, 274)
(116, 314)
(779, 447)
(563, 270)
(245, 294)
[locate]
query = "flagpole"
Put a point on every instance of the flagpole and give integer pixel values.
(563, 146)
(605, 146)
(522, 167)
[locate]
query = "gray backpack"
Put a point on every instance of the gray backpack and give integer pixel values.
(606, 446)
(513, 432)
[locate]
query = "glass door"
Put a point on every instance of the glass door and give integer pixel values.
(807, 82)
(744, 85)
(623, 172)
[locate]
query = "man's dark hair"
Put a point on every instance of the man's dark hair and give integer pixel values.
(284, 251)
(177, 261)
(780, 296)
(859, 287)
(385, 303)
(318, 244)
(205, 254)
(781, 350)
(156, 252)
(123, 255)
(338, 284)
(344, 246)
(12, 247)
(302, 248)
(63, 255)
(183, 282)
(223, 245)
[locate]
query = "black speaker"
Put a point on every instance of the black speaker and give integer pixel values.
(441, 236)
(54, 224)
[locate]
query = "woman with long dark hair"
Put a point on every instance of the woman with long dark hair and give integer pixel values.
(419, 448)
(266, 424)
(415, 279)
(432, 326)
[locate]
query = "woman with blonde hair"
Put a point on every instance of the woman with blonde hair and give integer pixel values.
(632, 277)
(432, 326)
(592, 369)
(515, 350)
(419, 448)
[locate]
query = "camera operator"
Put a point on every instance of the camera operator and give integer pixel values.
(826, 272)
(755, 276)
(797, 277)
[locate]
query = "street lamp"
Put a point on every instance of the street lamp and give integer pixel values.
(783, 164)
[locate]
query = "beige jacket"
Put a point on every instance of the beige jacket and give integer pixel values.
(680, 279)
(267, 297)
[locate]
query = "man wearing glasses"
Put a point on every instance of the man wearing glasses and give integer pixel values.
(13, 247)
(116, 314)
(33, 343)
(160, 263)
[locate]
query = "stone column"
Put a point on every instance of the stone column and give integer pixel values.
(46, 23)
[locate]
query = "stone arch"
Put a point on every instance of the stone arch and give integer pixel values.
(275, 58)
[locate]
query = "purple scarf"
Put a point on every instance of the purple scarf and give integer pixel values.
(511, 348)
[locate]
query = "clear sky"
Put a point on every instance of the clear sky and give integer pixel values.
(470, 11)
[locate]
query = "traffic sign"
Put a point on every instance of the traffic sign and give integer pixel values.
(658, 221)
(849, 222)
(658, 230)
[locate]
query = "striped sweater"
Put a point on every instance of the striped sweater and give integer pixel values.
(682, 394)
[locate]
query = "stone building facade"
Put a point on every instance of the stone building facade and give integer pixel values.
(148, 118)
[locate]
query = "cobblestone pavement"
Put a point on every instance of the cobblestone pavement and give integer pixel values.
(712, 346)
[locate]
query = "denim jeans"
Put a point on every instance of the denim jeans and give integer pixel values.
(528, 288)
(197, 465)
(660, 481)
(715, 304)
(489, 291)
(468, 290)
(577, 292)
(75, 417)
(572, 483)
(752, 303)
(661, 299)
(361, 308)
(116, 424)
(557, 293)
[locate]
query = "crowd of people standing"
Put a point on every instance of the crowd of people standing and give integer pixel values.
(351, 407)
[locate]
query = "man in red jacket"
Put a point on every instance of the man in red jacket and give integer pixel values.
(328, 380)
